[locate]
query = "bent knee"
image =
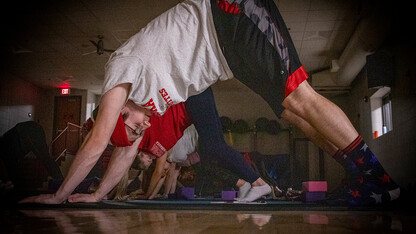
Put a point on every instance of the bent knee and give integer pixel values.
(289, 116)
(286, 114)
(300, 101)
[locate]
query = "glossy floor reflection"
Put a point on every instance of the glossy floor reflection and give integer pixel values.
(185, 221)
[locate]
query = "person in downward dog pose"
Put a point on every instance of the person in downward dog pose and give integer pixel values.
(181, 53)
(184, 152)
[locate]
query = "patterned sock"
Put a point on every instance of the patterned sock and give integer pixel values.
(368, 164)
(373, 185)
(349, 166)
(351, 174)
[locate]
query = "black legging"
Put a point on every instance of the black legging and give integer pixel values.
(204, 116)
(26, 137)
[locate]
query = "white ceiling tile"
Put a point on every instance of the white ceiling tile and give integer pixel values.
(320, 25)
(345, 25)
(293, 5)
(308, 35)
(53, 17)
(311, 52)
(98, 4)
(325, 4)
(69, 6)
(349, 10)
(42, 32)
(298, 45)
(318, 44)
(311, 64)
(324, 34)
(59, 33)
(296, 26)
(294, 16)
(91, 29)
(81, 16)
(67, 30)
(113, 21)
(322, 15)
(296, 36)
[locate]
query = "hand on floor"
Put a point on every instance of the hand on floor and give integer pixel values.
(137, 192)
(80, 197)
(43, 199)
(137, 197)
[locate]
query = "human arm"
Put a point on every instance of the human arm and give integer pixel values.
(120, 162)
(92, 148)
(157, 175)
(158, 187)
(170, 182)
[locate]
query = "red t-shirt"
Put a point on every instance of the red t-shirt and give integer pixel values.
(165, 130)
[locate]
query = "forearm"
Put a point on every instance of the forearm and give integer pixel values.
(169, 178)
(85, 159)
(158, 187)
(96, 140)
(157, 175)
(120, 162)
(175, 180)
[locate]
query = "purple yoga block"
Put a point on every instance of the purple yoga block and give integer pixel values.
(313, 196)
(314, 186)
(186, 193)
(229, 195)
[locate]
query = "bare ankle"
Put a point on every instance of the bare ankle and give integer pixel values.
(258, 182)
(240, 182)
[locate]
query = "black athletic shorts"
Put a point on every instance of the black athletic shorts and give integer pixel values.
(258, 48)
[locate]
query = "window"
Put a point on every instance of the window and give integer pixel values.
(387, 114)
(381, 112)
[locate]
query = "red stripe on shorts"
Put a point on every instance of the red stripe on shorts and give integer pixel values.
(294, 80)
(229, 8)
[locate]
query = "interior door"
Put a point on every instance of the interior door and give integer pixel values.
(67, 109)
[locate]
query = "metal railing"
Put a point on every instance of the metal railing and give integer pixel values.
(68, 141)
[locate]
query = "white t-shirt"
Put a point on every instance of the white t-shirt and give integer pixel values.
(175, 56)
(186, 145)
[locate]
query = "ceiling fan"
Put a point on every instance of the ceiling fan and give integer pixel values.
(99, 45)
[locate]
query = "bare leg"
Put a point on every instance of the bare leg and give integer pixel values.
(240, 182)
(324, 116)
(372, 185)
(310, 132)
(327, 146)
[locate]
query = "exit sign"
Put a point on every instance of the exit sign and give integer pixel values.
(65, 91)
